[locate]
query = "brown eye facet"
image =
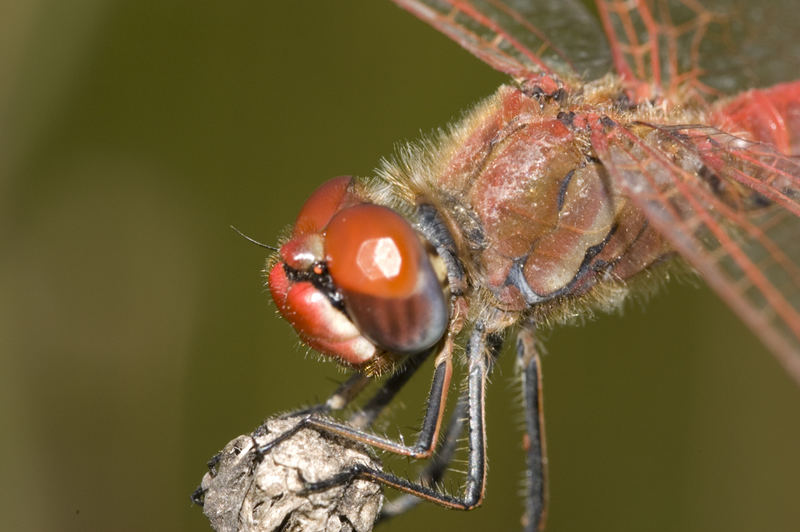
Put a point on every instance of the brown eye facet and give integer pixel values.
(390, 288)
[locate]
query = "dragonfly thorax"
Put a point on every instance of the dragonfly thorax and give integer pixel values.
(536, 221)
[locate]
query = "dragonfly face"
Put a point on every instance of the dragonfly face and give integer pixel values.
(356, 281)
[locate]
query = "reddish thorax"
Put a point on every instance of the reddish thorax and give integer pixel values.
(522, 170)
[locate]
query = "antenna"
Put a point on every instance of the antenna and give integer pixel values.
(254, 241)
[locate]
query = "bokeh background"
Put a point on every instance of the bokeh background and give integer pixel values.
(136, 336)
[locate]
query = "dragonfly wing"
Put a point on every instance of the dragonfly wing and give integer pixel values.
(659, 43)
(713, 46)
(730, 207)
(506, 34)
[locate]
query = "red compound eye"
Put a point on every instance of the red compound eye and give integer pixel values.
(321, 206)
(390, 289)
(373, 250)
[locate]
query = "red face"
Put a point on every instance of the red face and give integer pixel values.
(355, 280)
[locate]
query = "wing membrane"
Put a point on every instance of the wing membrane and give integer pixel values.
(506, 34)
(731, 207)
(657, 41)
(712, 46)
(752, 45)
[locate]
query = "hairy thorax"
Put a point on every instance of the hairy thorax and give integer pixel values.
(536, 220)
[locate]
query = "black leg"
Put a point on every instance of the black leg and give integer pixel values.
(428, 433)
(352, 387)
(339, 399)
(440, 462)
(482, 349)
(529, 365)
(367, 415)
(346, 392)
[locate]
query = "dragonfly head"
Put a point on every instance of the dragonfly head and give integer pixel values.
(356, 281)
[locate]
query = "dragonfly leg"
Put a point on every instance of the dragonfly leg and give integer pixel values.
(353, 386)
(372, 409)
(435, 470)
(339, 399)
(529, 366)
(482, 349)
(431, 424)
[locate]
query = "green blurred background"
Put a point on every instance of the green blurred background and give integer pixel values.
(136, 336)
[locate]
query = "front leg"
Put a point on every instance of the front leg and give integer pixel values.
(428, 434)
(482, 349)
(438, 465)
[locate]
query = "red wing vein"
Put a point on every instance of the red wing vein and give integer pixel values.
(522, 21)
(770, 173)
(484, 40)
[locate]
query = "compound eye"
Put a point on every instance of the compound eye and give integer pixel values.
(321, 206)
(390, 289)
(373, 250)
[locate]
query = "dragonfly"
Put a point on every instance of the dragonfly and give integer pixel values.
(581, 181)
